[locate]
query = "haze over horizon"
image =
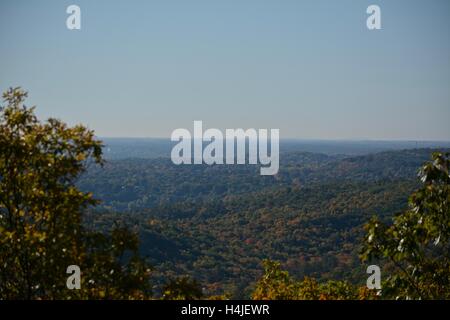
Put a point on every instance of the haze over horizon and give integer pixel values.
(309, 68)
(296, 139)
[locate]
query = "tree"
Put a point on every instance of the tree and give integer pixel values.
(277, 284)
(416, 244)
(182, 288)
(41, 226)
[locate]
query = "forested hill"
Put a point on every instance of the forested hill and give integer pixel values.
(217, 223)
(146, 183)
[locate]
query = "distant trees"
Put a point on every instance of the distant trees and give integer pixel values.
(417, 243)
(415, 247)
(41, 231)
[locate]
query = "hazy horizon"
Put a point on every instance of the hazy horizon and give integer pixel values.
(293, 139)
(141, 148)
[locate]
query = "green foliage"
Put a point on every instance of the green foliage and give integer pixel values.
(277, 284)
(417, 242)
(182, 288)
(41, 231)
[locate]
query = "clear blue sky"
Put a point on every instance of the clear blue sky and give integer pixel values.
(310, 68)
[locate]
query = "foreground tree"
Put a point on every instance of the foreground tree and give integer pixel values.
(41, 230)
(417, 243)
(182, 288)
(277, 284)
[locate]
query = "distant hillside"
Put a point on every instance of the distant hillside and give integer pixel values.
(217, 223)
(132, 184)
(149, 148)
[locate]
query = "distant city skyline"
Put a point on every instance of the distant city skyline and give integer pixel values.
(309, 68)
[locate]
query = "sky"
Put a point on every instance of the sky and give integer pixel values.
(309, 68)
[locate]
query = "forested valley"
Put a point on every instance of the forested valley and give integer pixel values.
(217, 224)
